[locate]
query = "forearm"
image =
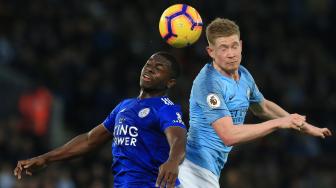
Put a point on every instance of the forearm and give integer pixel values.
(75, 147)
(176, 137)
(177, 150)
(247, 132)
(272, 111)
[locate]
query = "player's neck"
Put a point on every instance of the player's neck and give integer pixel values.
(153, 93)
(231, 74)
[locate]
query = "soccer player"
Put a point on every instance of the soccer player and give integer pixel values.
(148, 133)
(221, 94)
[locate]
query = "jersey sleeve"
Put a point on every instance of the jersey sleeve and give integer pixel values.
(109, 122)
(210, 97)
(170, 115)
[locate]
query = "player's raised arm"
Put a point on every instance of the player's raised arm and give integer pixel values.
(168, 171)
(269, 110)
(232, 134)
(77, 146)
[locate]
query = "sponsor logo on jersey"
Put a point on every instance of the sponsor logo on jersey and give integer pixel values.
(213, 100)
(144, 112)
(238, 115)
(231, 97)
(121, 120)
(125, 135)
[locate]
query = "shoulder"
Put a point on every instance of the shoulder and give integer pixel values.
(243, 70)
(159, 102)
(126, 101)
(208, 80)
(123, 103)
(205, 73)
(166, 103)
(245, 73)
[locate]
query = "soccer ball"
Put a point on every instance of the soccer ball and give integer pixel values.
(180, 25)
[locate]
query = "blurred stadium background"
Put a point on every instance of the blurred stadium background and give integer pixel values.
(65, 64)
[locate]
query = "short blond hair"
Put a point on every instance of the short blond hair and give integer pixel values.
(221, 27)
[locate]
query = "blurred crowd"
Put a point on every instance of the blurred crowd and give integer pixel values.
(87, 54)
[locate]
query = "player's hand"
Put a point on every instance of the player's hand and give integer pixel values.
(29, 166)
(292, 121)
(315, 131)
(168, 173)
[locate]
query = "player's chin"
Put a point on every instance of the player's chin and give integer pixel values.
(234, 66)
(146, 85)
(231, 68)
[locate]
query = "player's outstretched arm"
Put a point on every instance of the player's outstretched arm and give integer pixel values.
(236, 134)
(168, 171)
(268, 110)
(315, 131)
(77, 146)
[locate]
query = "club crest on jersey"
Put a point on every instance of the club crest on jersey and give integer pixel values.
(144, 112)
(213, 100)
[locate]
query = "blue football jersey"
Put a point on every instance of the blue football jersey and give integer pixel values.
(139, 143)
(212, 97)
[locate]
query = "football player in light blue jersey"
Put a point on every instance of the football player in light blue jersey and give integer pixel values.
(221, 94)
(148, 133)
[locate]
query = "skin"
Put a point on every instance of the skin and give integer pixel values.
(226, 53)
(155, 80)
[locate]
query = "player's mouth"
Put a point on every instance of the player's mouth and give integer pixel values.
(146, 77)
(232, 63)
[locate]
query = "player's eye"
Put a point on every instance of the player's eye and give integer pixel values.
(149, 64)
(223, 49)
(159, 67)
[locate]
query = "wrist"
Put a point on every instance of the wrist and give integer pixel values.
(274, 124)
(44, 158)
(175, 160)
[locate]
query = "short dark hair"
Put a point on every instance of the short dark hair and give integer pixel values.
(175, 66)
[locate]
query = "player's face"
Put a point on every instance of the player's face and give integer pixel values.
(156, 74)
(226, 53)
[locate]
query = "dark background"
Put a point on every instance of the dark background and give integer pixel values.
(64, 65)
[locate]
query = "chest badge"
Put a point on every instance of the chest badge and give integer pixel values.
(144, 112)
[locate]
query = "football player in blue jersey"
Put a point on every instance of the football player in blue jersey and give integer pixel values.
(221, 94)
(148, 133)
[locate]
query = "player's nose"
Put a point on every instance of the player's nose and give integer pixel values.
(149, 69)
(230, 53)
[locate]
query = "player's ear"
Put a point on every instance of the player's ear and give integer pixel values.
(241, 44)
(210, 51)
(171, 83)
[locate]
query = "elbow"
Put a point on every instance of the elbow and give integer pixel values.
(229, 141)
(260, 113)
(91, 143)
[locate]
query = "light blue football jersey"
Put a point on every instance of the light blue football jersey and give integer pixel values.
(139, 144)
(212, 97)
